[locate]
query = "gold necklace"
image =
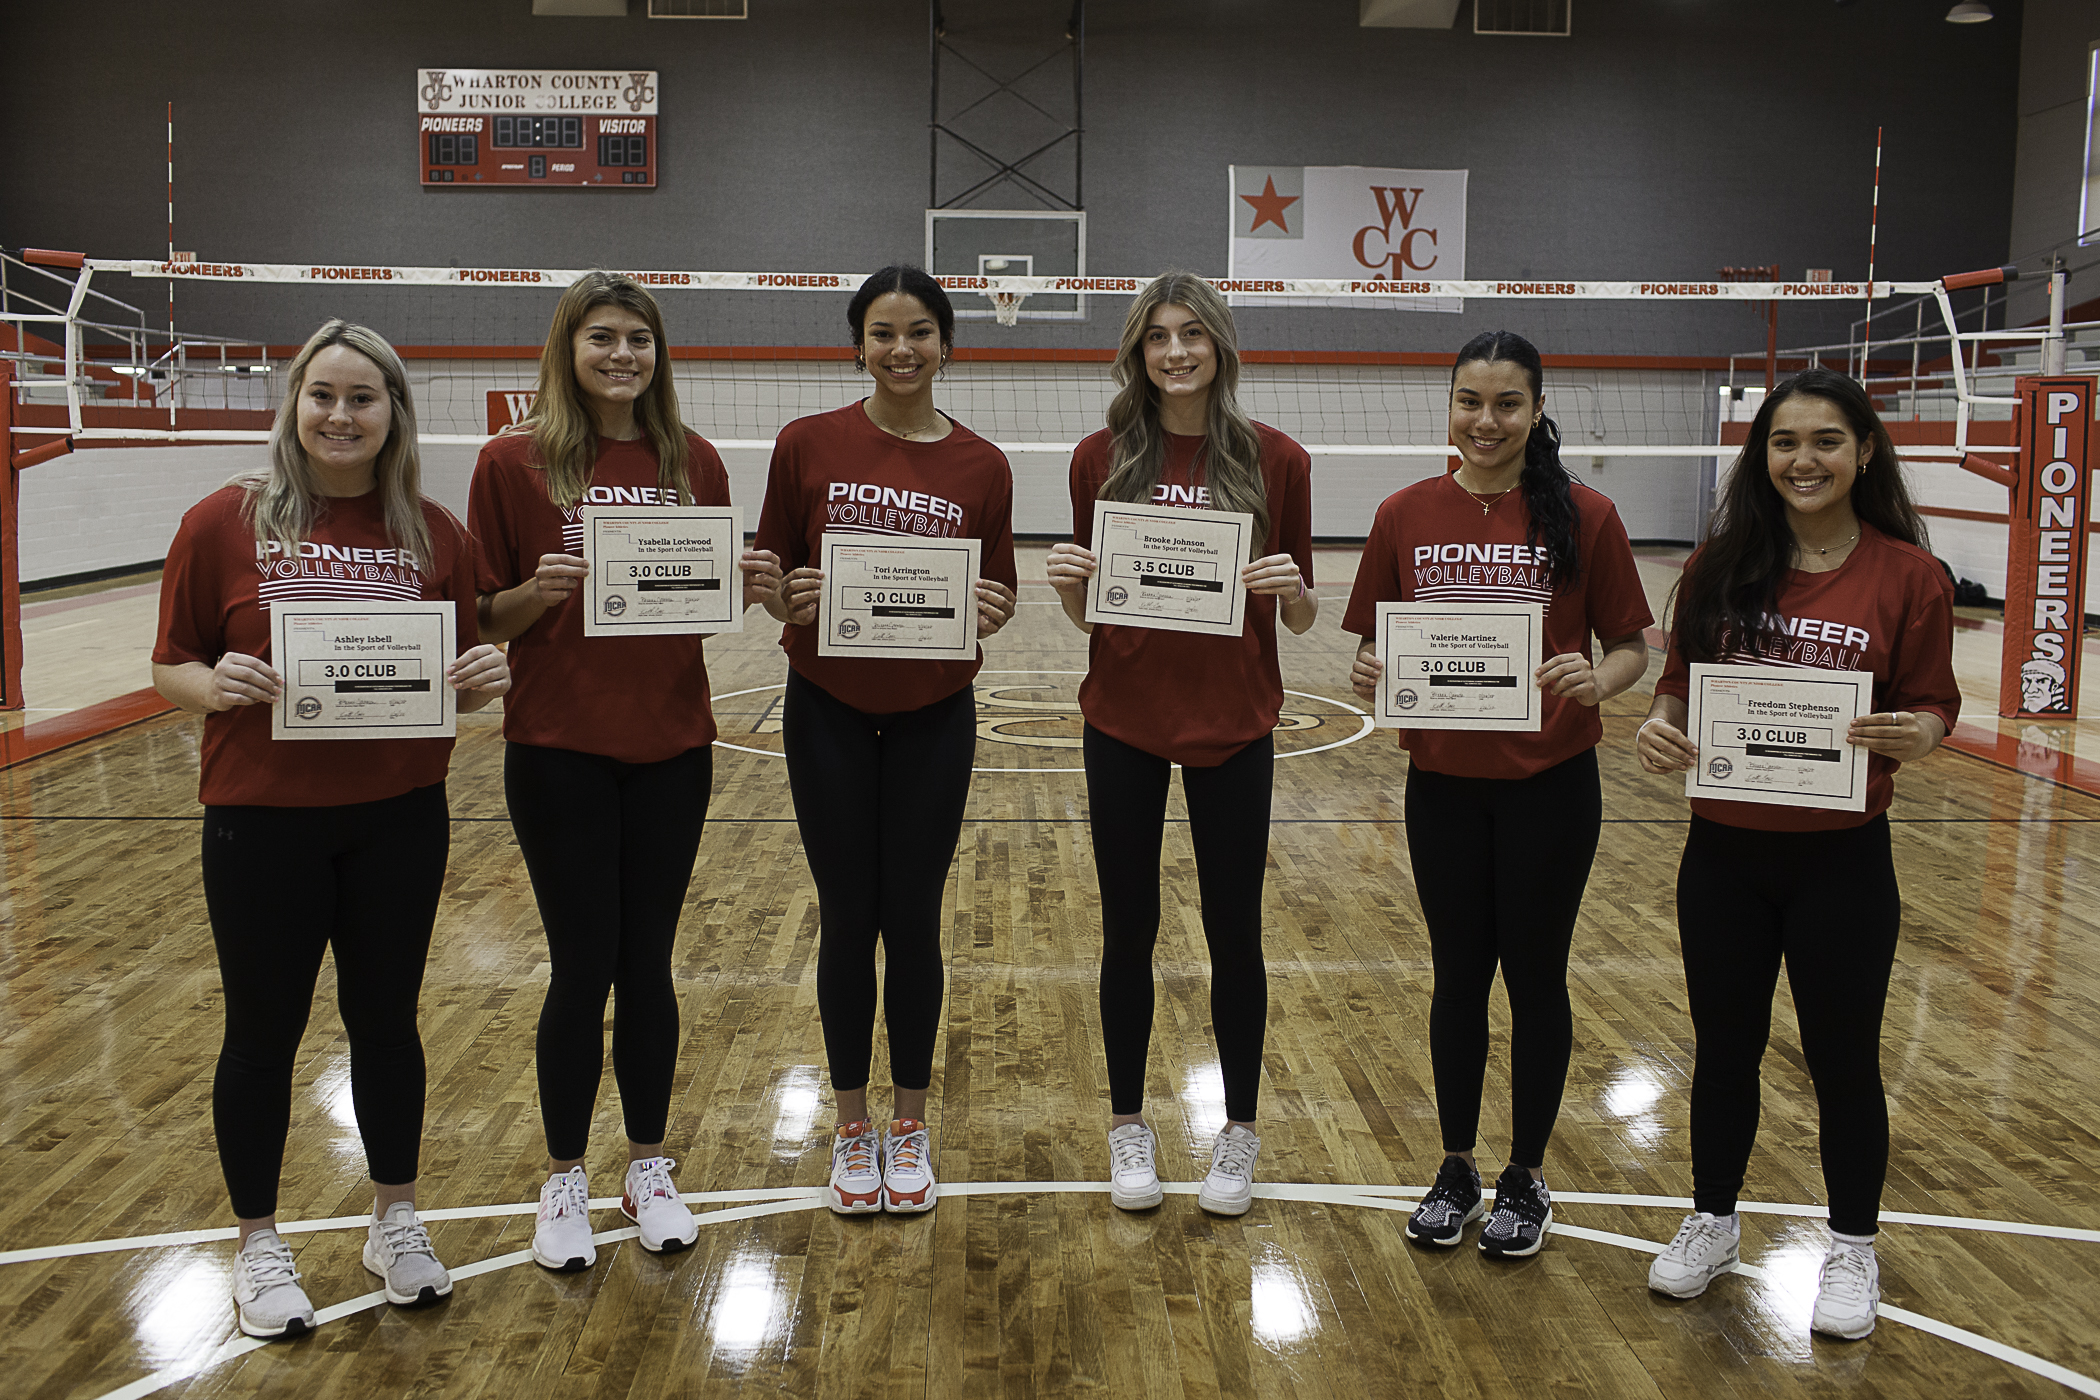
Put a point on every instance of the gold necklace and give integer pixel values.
(1805, 548)
(1487, 503)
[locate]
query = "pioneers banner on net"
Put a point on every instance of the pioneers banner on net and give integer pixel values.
(1351, 222)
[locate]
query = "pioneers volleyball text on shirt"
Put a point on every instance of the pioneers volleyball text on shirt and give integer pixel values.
(1195, 699)
(837, 473)
(1888, 609)
(636, 699)
(215, 597)
(1431, 544)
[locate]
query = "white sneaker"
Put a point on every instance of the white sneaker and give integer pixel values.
(1848, 1287)
(1133, 1180)
(266, 1293)
(908, 1186)
(561, 1240)
(652, 1203)
(397, 1248)
(856, 1169)
(1229, 1188)
(1704, 1249)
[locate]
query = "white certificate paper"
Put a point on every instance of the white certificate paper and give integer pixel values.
(1767, 734)
(363, 670)
(1460, 666)
(662, 570)
(1170, 568)
(899, 600)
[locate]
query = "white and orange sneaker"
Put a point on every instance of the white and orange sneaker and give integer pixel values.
(856, 1169)
(665, 1226)
(907, 1168)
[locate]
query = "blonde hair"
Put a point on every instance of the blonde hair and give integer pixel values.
(283, 500)
(1138, 445)
(564, 434)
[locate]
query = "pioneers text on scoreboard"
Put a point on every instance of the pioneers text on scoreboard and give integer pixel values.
(536, 126)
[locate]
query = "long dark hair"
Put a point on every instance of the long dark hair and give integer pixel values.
(913, 282)
(1729, 595)
(1549, 492)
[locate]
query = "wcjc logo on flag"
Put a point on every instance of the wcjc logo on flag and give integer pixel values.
(1351, 222)
(508, 407)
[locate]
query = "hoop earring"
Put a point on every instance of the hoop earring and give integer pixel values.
(860, 363)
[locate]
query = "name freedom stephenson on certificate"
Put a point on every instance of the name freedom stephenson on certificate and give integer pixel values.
(1170, 568)
(1777, 735)
(1464, 666)
(662, 571)
(363, 670)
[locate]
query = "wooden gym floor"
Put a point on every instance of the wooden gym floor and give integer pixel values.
(113, 1279)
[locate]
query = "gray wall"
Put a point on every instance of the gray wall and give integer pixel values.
(1666, 138)
(2050, 165)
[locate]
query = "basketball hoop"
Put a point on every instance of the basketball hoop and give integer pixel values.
(1006, 306)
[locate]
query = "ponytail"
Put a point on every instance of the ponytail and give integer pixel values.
(1549, 496)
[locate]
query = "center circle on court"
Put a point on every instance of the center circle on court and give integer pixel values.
(1029, 722)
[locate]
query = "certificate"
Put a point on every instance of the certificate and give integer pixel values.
(662, 571)
(904, 600)
(1460, 666)
(363, 670)
(1767, 734)
(1170, 568)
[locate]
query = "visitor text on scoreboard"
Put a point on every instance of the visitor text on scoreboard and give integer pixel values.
(536, 126)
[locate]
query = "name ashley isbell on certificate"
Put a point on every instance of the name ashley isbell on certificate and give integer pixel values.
(1468, 666)
(369, 670)
(899, 600)
(1174, 569)
(1778, 736)
(662, 571)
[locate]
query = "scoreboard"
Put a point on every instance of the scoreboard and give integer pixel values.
(513, 126)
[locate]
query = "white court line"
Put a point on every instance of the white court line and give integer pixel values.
(786, 1199)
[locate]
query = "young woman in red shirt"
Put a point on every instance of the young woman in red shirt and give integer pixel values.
(1152, 699)
(1502, 828)
(326, 843)
(607, 764)
(1815, 522)
(879, 750)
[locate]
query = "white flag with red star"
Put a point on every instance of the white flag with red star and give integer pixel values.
(1354, 222)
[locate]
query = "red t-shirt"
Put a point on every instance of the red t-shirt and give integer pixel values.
(215, 595)
(1195, 699)
(636, 699)
(837, 473)
(1887, 609)
(1431, 544)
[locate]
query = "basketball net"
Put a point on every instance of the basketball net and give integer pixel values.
(1006, 306)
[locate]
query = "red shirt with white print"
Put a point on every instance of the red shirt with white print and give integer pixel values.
(1888, 609)
(1186, 696)
(1431, 543)
(216, 590)
(636, 699)
(837, 473)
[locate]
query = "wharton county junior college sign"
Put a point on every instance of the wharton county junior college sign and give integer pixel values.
(477, 127)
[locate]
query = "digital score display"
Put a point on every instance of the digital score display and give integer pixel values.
(481, 127)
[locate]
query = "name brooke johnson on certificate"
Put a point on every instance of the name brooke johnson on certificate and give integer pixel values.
(364, 670)
(662, 571)
(1169, 568)
(899, 600)
(1467, 666)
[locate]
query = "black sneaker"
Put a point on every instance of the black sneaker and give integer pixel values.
(1522, 1215)
(1451, 1205)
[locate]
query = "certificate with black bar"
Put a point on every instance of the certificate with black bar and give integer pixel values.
(1170, 568)
(1777, 735)
(899, 599)
(660, 571)
(1460, 666)
(363, 670)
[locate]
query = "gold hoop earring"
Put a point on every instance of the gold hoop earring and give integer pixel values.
(860, 363)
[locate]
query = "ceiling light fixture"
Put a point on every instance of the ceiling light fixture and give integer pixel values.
(1969, 12)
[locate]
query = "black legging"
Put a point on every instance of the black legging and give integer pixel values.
(1229, 826)
(1826, 903)
(879, 800)
(610, 848)
(282, 885)
(1500, 866)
